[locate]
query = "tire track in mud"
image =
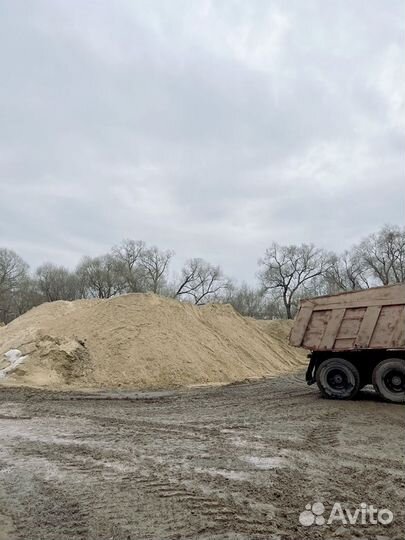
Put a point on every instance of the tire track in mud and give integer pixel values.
(42, 511)
(217, 515)
(212, 511)
(325, 433)
(194, 466)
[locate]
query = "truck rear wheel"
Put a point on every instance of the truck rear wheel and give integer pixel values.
(389, 379)
(337, 378)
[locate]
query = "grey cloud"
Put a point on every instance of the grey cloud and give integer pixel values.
(212, 128)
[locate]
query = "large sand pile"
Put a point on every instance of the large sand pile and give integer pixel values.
(141, 341)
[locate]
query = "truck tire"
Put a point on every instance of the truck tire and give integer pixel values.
(337, 378)
(389, 379)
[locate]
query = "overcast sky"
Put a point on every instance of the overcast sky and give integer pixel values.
(208, 127)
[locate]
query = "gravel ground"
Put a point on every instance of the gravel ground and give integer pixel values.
(239, 462)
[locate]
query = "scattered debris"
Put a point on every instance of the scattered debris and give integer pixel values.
(15, 358)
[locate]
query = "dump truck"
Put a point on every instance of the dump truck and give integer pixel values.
(355, 338)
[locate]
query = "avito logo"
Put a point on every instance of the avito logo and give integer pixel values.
(314, 514)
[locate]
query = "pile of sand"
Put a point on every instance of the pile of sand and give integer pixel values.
(142, 341)
(279, 333)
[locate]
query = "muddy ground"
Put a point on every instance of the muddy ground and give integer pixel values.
(238, 462)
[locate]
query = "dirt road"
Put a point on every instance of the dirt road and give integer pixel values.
(235, 462)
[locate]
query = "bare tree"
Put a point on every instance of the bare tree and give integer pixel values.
(155, 264)
(25, 297)
(200, 281)
(130, 254)
(12, 269)
(13, 274)
(247, 301)
(383, 255)
(346, 273)
(288, 270)
(101, 277)
(57, 283)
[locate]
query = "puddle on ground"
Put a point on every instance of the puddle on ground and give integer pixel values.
(266, 463)
(231, 475)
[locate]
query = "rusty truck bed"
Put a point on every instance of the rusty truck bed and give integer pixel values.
(368, 319)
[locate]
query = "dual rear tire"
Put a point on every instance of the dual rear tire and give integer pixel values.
(338, 378)
(389, 379)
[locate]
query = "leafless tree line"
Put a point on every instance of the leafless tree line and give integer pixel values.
(131, 267)
(290, 273)
(285, 275)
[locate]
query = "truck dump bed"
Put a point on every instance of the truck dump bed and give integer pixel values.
(368, 319)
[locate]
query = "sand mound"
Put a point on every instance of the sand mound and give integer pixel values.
(142, 341)
(279, 333)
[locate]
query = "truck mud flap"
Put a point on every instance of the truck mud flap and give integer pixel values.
(310, 374)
